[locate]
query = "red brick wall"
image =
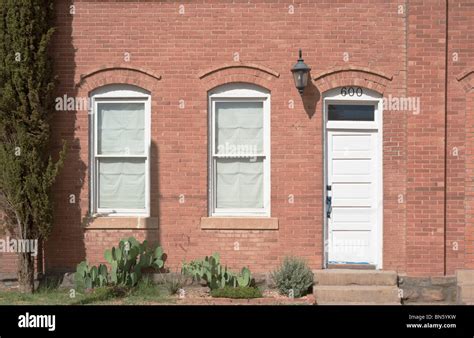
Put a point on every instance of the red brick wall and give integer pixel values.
(388, 51)
(7, 260)
(460, 137)
(8, 264)
(469, 179)
(425, 139)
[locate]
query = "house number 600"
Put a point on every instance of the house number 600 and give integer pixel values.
(351, 91)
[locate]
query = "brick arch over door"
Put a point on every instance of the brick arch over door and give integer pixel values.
(352, 76)
(466, 79)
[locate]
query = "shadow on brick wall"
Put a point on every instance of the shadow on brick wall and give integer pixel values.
(65, 247)
(311, 97)
(153, 236)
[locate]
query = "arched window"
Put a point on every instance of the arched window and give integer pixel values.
(120, 150)
(239, 162)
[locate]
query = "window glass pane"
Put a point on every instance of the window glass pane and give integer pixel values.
(121, 128)
(239, 128)
(239, 183)
(122, 183)
(351, 112)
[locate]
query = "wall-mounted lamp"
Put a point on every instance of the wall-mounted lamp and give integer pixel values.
(300, 74)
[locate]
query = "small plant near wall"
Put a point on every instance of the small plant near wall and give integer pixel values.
(173, 282)
(293, 278)
(127, 262)
(237, 292)
(215, 275)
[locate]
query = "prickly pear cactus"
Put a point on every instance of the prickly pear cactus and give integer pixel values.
(126, 261)
(90, 277)
(244, 278)
(214, 274)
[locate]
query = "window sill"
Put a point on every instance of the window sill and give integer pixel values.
(239, 223)
(120, 222)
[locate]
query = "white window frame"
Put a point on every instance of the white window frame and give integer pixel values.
(239, 92)
(118, 94)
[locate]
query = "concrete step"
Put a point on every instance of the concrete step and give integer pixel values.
(355, 277)
(350, 294)
(465, 294)
(359, 303)
(430, 303)
(465, 277)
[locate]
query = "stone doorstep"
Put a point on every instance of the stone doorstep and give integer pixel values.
(326, 294)
(355, 277)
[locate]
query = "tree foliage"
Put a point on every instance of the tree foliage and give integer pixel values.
(27, 171)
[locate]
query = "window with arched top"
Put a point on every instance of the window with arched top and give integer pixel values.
(120, 151)
(239, 161)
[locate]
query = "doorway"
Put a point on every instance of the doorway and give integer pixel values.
(353, 200)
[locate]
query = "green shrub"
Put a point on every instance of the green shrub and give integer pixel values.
(214, 274)
(49, 284)
(144, 284)
(173, 282)
(102, 294)
(244, 292)
(145, 288)
(293, 278)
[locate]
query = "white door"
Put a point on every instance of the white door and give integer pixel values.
(352, 183)
(353, 173)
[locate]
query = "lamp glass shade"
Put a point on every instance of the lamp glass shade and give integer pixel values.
(301, 79)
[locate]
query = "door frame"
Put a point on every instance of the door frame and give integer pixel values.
(335, 96)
